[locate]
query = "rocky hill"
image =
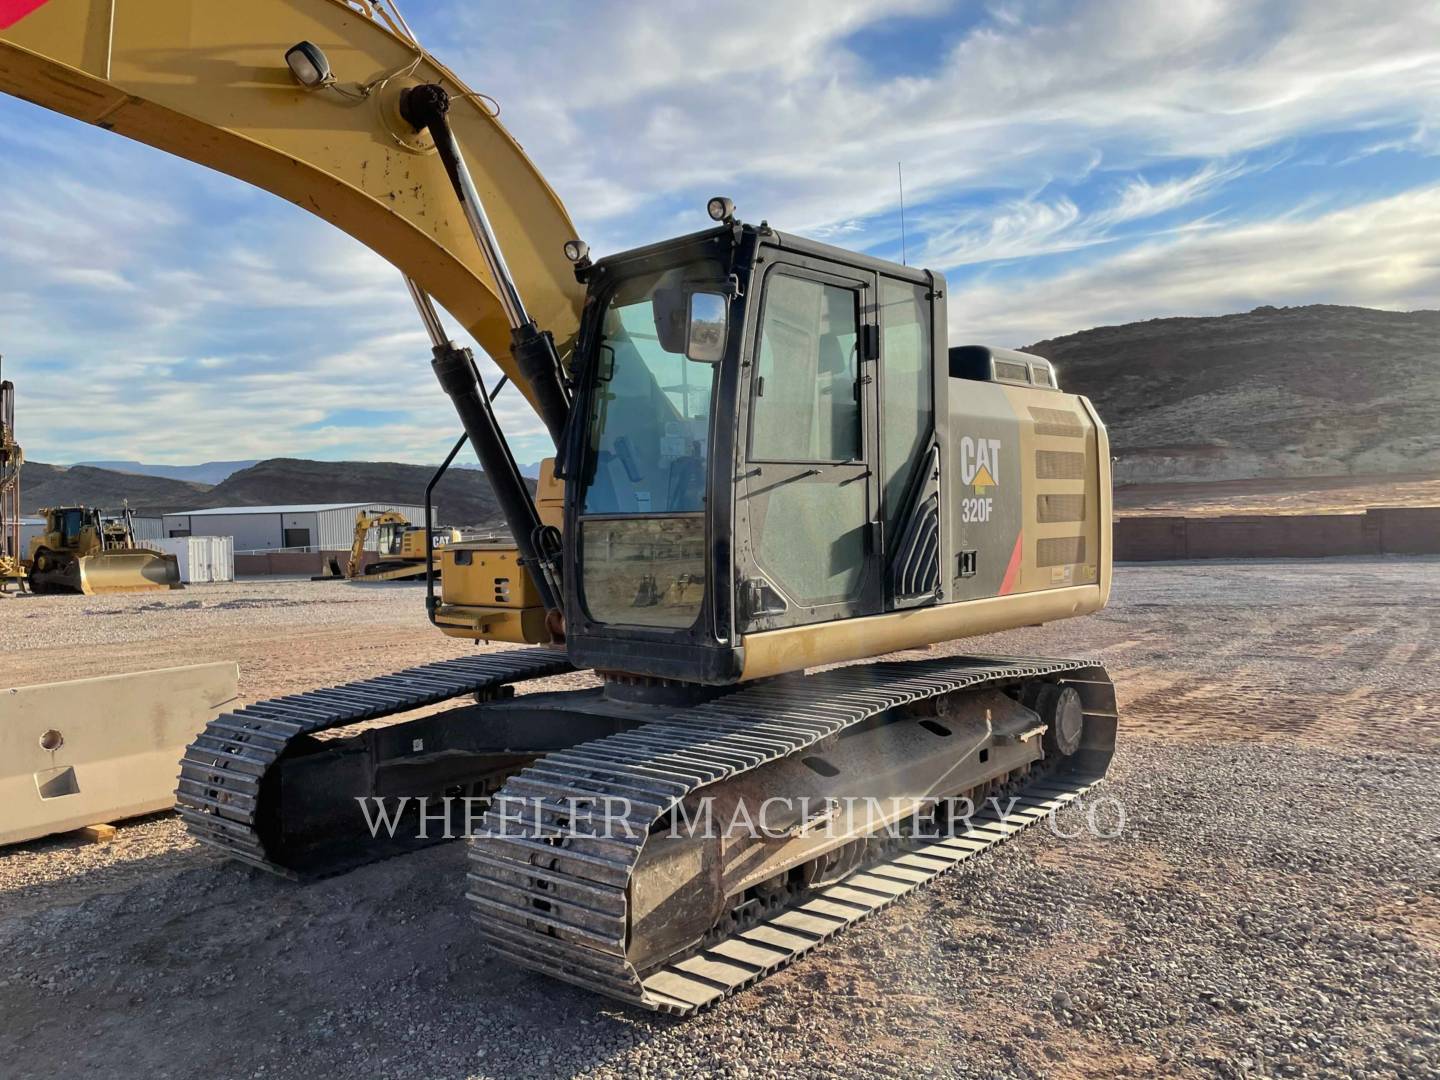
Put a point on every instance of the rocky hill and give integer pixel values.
(464, 496)
(1275, 392)
(44, 485)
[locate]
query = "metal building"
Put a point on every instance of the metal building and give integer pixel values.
(313, 527)
(30, 527)
(148, 528)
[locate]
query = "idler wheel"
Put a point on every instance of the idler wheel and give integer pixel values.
(1064, 716)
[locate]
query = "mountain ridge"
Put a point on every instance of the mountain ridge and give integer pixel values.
(464, 497)
(1296, 394)
(1277, 392)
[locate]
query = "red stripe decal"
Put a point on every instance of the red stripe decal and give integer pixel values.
(12, 11)
(1012, 572)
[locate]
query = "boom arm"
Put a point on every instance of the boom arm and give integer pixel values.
(207, 80)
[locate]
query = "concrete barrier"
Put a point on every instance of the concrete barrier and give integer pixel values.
(1377, 531)
(93, 751)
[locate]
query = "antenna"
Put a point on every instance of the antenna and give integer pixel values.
(900, 174)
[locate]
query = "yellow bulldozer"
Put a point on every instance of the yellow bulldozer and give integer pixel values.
(770, 470)
(81, 551)
(401, 549)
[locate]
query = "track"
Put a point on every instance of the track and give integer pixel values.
(221, 794)
(551, 897)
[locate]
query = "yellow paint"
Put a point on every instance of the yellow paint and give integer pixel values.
(983, 479)
(487, 595)
(523, 626)
(550, 495)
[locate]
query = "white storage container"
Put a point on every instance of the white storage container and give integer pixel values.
(201, 558)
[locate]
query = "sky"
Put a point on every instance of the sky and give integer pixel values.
(1066, 165)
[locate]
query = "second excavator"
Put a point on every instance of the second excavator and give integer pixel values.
(768, 465)
(402, 550)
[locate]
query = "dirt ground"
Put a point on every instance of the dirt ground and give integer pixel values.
(1270, 907)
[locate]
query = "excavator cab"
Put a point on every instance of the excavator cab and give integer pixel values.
(685, 534)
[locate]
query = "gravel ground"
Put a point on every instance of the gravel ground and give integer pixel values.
(1272, 906)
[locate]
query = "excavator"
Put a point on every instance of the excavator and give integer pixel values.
(81, 551)
(770, 474)
(403, 552)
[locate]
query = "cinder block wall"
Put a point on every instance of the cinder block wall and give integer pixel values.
(1378, 531)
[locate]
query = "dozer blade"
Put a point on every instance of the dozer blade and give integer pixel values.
(97, 750)
(676, 863)
(136, 570)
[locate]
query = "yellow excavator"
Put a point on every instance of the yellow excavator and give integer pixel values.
(769, 470)
(402, 551)
(81, 551)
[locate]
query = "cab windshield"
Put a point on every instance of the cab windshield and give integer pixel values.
(647, 450)
(649, 422)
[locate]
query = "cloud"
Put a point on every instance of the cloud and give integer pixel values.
(1378, 254)
(806, 137)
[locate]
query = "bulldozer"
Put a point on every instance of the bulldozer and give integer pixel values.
(402, 551)
(770, 471)
(81, 551)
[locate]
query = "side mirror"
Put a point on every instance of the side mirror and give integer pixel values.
(705, 341)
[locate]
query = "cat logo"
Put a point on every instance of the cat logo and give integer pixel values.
(979, 462)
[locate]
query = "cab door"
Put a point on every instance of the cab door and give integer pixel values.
(807, 532)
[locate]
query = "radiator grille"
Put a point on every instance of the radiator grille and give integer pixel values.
(1060, 422)
(1060, 551)
(1053, 508)
(1059, 465)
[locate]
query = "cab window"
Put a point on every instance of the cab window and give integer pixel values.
(806, 406)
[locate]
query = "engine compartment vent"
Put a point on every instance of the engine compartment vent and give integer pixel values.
(985, 363)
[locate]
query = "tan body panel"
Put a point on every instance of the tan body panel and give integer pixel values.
(1040, 593)
(777, 652)
(207, 81)
(120, 740)
(1063, 509)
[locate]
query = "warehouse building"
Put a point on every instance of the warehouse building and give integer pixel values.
(313, 527)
